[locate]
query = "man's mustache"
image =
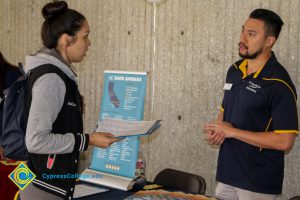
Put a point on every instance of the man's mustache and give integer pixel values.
(243, 45)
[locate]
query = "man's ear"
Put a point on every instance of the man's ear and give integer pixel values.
(270, 41)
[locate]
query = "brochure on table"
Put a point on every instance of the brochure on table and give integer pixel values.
(123, 98)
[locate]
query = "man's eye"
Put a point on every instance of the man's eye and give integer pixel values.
(252, 34)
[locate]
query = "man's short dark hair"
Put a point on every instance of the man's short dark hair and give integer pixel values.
(273, 22)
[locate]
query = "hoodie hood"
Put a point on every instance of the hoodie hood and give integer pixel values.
(49, 56)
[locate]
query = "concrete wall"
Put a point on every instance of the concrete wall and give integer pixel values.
(186, 45)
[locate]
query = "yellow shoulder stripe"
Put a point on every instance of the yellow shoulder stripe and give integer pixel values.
(282, 81)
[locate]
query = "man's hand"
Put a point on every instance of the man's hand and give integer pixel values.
(266, 140)
(102, 140)
(217, 132)
(215, 138)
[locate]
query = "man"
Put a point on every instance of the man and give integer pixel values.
(258, 120)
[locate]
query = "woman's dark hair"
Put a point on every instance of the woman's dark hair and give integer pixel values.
(59, 19)
(4, 68)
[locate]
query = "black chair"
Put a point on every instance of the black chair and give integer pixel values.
(295, 198)
(179, 180)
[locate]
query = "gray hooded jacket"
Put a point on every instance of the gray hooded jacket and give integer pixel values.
(47, 99)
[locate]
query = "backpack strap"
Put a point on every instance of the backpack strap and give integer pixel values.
(21, 69)
(34, 75)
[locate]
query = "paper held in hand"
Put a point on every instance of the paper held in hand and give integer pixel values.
(126, 128)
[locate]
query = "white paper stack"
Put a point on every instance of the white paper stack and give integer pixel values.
(105, 179)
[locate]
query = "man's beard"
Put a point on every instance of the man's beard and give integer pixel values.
(250, 56)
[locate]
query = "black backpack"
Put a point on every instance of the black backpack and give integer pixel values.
(14, 110)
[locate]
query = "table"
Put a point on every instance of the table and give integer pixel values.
(164, 194)
(115, 194)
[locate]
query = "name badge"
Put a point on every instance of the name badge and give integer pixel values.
(227, 86)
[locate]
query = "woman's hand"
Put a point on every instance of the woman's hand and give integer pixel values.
(102, 140)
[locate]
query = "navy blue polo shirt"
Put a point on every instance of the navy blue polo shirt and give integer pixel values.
(262, 101)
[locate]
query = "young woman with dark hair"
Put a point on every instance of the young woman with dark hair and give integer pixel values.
(54, 135)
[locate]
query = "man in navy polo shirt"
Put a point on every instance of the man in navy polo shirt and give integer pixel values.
(258, 120)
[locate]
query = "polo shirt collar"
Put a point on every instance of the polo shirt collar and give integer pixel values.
(244, 63)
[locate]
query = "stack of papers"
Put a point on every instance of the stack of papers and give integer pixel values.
(126, 128)
(109, 180)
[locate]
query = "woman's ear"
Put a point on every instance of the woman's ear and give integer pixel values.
(66, 40)
(63, 40)
(71, 40)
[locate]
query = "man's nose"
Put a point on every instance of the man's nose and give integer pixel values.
(243, 38)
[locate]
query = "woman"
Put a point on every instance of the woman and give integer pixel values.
(54, 135)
